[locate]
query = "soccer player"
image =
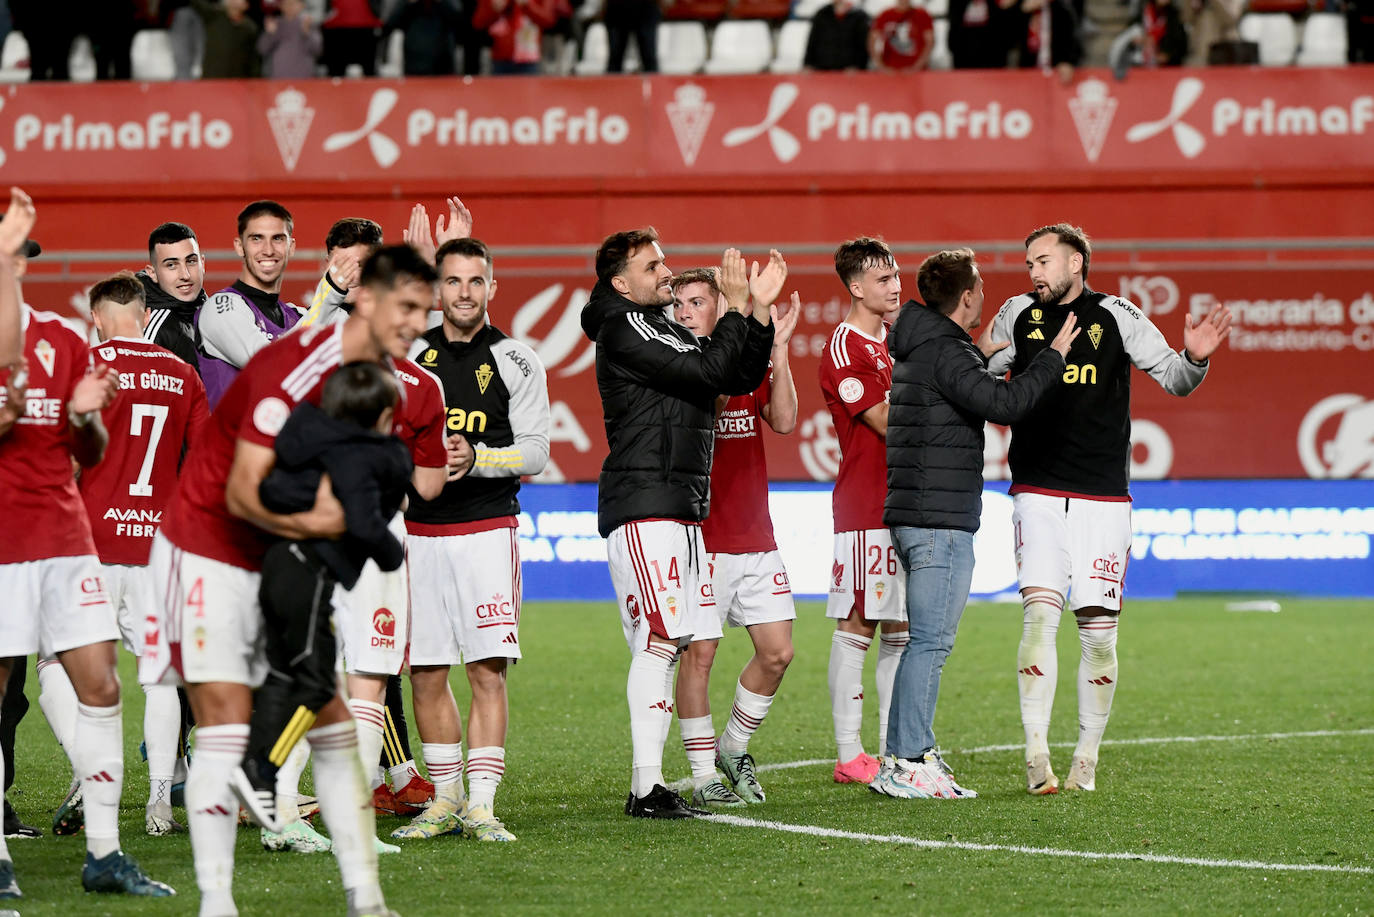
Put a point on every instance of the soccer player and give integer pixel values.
(941, 394)
(464, 554)
(160, 412)
(246, 316)
(11, 320)
(207, 557)
(347, 245)
(174, 287)
(658, 389)
(1069, 463)
(747, 583)
(866, 584)
(58, 606)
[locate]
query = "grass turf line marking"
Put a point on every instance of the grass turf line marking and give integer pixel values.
(837, 833)
(1162, 740)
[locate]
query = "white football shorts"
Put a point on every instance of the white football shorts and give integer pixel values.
(1075, 546)
(746, 589)
(54, 605)
(867, 575)
(372, 620)
(657, 567)
(464, 597)
(131, 595)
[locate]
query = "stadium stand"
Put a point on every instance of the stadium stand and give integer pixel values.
(1276, 35)
(740, 46)
(791, 46)
(1324, 41)
(682, 47)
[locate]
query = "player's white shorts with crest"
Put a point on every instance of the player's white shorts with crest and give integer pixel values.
(1075, 546)
(131, 595)
(657, 568)
(746, 589)
(54, 605)
(464, 597)
(209, 626)
(372, 620)
(867, 574)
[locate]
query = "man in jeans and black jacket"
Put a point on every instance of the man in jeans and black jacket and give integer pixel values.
(942, 393)
(658, 388)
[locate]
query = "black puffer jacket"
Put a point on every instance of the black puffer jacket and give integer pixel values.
(658, 387)
(941, 395)
(172, 323)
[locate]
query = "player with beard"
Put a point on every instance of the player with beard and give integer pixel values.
(464, 554)
(1070, 462)
(246, 316)
(174, 287)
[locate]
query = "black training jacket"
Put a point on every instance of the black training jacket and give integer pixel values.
(658, 386)
(171, 322)
(942, 393)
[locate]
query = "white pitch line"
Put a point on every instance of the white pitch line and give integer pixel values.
(1162, 740)
(815, 831)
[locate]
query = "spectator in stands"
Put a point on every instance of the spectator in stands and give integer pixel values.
(1359, 24)
(432, 31)
(290, 44)
(632, 17)
(350, 37)
(187, 35)
(981, 33)
(231, 40)
(1210, 21)
(1049, 38)
(110, 26)
(1164, 38)
(902, 38)
(49, 28)
(517, 29)
(839, 38)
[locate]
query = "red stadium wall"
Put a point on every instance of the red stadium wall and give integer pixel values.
(1248, 186)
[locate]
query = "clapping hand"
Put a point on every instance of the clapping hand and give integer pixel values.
(785, 321)
(734, 282)
(766, 285)
(18, 222)
(1200, 339)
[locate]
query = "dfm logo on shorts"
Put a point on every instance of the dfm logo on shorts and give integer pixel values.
(632, 606)
(836, 576)
(1336, 437)
(497, 611)
(384, 629)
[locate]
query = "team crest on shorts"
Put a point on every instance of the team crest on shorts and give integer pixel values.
(198, 636)
(672, 605)
(878, 588)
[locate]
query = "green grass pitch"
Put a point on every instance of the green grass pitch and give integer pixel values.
(1250, 792)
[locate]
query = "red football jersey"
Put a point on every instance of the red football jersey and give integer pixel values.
(420, 422)
(39, 503)
(739, 522)
(160, 410)
(856, 374)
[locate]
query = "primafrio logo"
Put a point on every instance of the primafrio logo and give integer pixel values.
(785, 145)
(1189, 139)
(689, 114)
(383, 148)
(1336, 438)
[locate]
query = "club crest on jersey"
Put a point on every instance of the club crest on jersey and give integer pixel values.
(430, 357)
(46, 355)
(484, 375)
(1037, 316)
(1095, 334)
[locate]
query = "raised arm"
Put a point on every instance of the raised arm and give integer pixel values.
(780, 413)
(14, 232)
(962, 379)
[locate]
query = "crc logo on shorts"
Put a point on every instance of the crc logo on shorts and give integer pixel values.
(708, 594)
(92, 585)
(1109, 564)
(270, 416)
(384, 629)
(498, 611)
(632, 606)
(851, 390)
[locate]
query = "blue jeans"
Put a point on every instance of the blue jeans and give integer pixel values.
(939, 571)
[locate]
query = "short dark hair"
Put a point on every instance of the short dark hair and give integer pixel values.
(944, 276)
(854, 257)
(352, 231)
(614, 254)
(123, 288)
(706, 275)
(463, 248)
(267, 209)
(359, 393)
(389, 264)
(169, 234)
(1072, 236)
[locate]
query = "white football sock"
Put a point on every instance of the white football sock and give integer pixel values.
(1037, 666)
(486, 767)
(57, 699)
(846, 677)
(98, 749)
(445, 765)
(890, 649)
(212, 812)
(1097, 671)
(346, 806)
(699, 740)
(289, 784)
(651, 713)
(370, 718)
(746, 716)
(402, 773)
(161, 724)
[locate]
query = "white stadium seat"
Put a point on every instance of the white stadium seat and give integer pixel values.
(940, 58)
(681, 47)
(596, 47)
(1323, 41)
(791, 46)
(15, 52)
(1276, 35)
(741, 46)
(805, 9)
(150, 55)
(936, 8)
